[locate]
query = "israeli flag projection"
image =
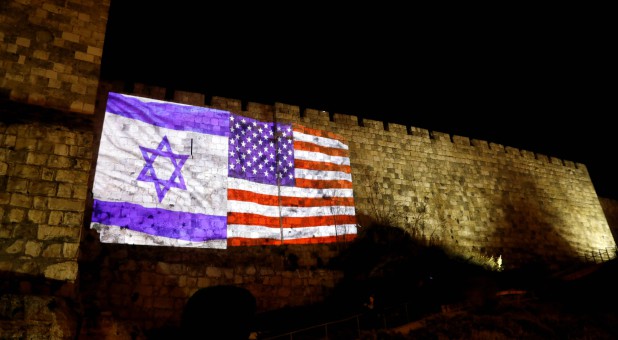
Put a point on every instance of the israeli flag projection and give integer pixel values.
(161, 175)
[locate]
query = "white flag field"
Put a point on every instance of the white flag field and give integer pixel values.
(170, 174)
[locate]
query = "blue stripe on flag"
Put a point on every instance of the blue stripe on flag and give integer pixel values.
(170, 115)
(160, 222)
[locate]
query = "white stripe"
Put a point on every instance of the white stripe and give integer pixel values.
(248, 231)
(322, 175)
(317, 211)
(120, 162)
(273, 211)
(320, 157)
(114, 234)
(267, 189)
(323, 141)
(252, 208)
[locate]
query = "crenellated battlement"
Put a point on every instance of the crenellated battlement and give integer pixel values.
(290, 112)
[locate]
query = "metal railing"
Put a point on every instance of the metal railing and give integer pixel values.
(600, 255)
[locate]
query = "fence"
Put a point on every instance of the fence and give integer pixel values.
(601, 255)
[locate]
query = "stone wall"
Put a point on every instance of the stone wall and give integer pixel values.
(149, 286)
(44, 172)
(479, 197)
(50, 52)
(610, 208)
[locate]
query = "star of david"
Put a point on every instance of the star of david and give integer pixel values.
(149, 174)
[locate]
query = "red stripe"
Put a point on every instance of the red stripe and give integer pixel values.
(289, 222)
(252, 219)
(240, 241)
(307, 146)
(319, 133)
(249, 196)
(286, 201)
(323, 184)
(313, 165)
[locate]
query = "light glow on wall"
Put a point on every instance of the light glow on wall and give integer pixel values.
(186, 176)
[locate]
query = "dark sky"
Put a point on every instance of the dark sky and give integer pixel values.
(541, 80)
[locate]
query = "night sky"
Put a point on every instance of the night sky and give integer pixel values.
(538, 80)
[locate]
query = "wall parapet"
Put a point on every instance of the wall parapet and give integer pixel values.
(320, 117)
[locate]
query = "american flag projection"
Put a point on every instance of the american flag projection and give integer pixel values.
(178, 175)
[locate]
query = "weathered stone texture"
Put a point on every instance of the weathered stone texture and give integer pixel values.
(51, 52)
(36, 317)
(44, 197)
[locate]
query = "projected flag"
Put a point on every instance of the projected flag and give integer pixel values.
(287, 183)
(179, 175)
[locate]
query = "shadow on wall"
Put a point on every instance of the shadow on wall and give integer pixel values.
(524, 213)
(219, 312)
(610, 209)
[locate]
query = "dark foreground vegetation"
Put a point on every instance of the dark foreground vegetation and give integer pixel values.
(421, 293)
